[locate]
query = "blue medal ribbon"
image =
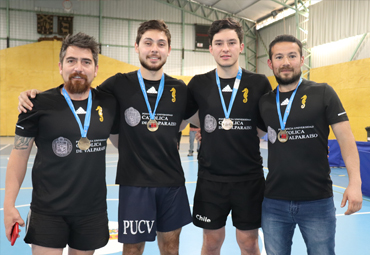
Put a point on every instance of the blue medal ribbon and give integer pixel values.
(159, 95)
(289, 106)
(88, 112)
(233, 95)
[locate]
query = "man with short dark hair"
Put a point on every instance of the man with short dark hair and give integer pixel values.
(68, 176)
(297, 115)
(230, 175)
(152, 197)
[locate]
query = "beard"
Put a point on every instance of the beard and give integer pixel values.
(152, 68)
(77, 87)
(287, 81)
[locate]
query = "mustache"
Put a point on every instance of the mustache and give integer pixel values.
(75, 74)
(286, 69)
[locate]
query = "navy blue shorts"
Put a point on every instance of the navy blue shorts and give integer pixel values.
(89, 232)
(145, 210)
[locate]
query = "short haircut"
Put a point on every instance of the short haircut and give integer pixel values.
(80, 40)
(228, 23)
(159, 25)
(285, 38)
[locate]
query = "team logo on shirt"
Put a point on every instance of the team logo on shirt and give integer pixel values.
(210, 123)
(245, 95)
(227, 89)
(304, 98)
(62, 147)
(152, 90)
(271, 134)
(173, 91)
(100, 112)
(132, 117)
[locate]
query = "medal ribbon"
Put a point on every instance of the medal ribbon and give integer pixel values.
(160, 92)
(289, 106)
(88, 112)
(233, 95)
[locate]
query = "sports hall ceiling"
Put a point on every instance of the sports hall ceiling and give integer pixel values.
(254, 10)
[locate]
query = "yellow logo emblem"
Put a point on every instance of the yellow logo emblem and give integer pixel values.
(304, 98)
(100, 112)
(173, 90)
(245, 95)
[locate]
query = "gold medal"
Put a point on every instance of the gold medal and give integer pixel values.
(283, 136)
(152, 125)
(83, 143)
(227, 124)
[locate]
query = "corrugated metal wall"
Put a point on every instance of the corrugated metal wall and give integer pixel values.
(335, 29)
(120, 21)
(122, 17)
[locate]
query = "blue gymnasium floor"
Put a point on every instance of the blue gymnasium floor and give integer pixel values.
(352, 238)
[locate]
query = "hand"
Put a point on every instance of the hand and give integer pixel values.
(353, 195)
(11, 216)
(198, 136)
(24, 103)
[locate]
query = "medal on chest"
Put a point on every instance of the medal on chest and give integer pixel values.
(152, 124)
(84, 142)
(283, 135)
(227, 123)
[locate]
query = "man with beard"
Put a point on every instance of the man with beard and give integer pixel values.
(297, 115)
(152, 195)
(230, 175)
(68, 176)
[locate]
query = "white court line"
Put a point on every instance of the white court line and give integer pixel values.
(353, 214)
(6, 146)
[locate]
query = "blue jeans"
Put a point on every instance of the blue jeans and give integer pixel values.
(316, 220)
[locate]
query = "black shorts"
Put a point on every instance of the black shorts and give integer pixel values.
(213, 202)
(79, 232)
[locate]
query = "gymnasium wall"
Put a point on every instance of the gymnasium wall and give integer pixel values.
(351, 81)
(35, 65)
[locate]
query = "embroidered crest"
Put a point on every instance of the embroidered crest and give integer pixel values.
(62, 147)
(271, 134)
(132, 116)
(210, 123)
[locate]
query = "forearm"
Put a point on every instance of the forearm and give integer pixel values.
(351, 159)
(16, 169)
(349, 151)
